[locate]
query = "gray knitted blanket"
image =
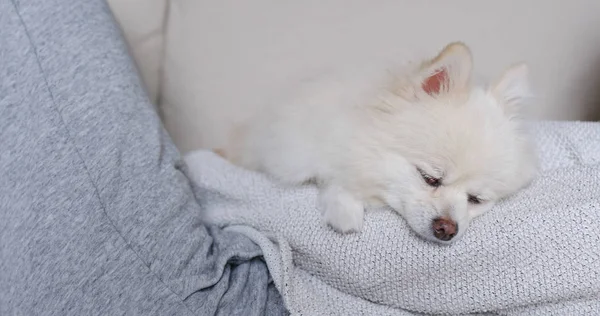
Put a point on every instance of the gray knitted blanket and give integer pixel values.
(536, 253)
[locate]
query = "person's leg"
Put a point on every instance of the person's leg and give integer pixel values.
(95, 216)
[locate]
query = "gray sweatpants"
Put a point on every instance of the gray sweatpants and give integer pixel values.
(96, 214)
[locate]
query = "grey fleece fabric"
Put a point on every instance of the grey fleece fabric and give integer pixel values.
(96, 215)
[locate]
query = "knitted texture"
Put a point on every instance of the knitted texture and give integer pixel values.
(535, 253)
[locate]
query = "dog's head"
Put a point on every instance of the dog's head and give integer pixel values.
(445, 150)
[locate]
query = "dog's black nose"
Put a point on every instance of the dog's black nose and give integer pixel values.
(444, 228)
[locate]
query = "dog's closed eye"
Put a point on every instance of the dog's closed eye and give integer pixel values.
(431, 181)
(473, 199)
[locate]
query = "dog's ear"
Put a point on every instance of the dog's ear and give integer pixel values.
(512, 88)
(449, 71)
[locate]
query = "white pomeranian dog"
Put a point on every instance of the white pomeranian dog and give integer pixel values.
(423, 141)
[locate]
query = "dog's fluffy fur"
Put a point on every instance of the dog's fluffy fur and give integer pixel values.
(376, 138)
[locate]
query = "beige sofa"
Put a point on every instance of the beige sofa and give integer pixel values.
(226, 52)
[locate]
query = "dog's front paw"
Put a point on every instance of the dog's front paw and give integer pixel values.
(342, 211)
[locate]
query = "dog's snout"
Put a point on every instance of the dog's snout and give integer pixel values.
(444, 228)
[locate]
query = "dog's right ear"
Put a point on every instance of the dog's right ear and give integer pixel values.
(449, 71)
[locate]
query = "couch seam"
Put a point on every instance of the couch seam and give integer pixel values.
(163, 53)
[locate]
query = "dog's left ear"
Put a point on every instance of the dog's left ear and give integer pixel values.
(448, 72)
(512, 88)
